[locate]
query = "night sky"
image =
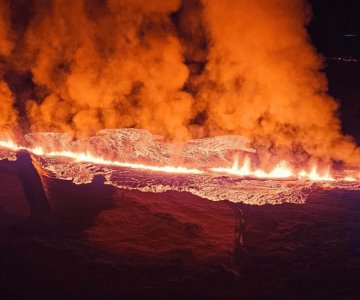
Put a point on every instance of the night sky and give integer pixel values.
(335, 31)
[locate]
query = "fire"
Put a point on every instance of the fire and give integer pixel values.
(9, 144)
(281, 171)
(350, 179)
(88, 157)
(315, 176)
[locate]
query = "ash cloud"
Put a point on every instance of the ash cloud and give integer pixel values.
(182, 69)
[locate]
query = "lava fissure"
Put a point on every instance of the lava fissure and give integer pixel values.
(281, 171)
(146, 164)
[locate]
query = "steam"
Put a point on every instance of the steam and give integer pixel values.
(182, 69)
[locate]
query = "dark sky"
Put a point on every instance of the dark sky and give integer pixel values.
(335, 31)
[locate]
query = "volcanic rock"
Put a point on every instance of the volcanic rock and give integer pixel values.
(107, 243)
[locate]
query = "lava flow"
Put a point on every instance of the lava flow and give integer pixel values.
(281, 171)
(88, 157)
(136, 159)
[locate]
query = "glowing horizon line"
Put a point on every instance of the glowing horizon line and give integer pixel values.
(280, 171)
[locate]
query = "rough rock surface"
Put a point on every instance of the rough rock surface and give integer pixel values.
(101, 242)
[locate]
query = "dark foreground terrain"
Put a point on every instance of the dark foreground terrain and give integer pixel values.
(97, 242)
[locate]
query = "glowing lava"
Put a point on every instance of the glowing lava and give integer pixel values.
(88, 157)
(9, 144)
(315, 176)
(281, 171)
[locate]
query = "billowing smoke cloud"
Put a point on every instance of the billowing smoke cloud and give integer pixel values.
(107, 65)
(262, 78)
(182, 69)
(8, 116)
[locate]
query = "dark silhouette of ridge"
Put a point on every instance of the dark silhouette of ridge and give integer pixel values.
(32, 185)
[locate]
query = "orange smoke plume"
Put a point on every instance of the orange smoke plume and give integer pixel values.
(181, 69)
(108, 66)
(8, 115)
(262, 79)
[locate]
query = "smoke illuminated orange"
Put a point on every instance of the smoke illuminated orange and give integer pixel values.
(257, 77)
